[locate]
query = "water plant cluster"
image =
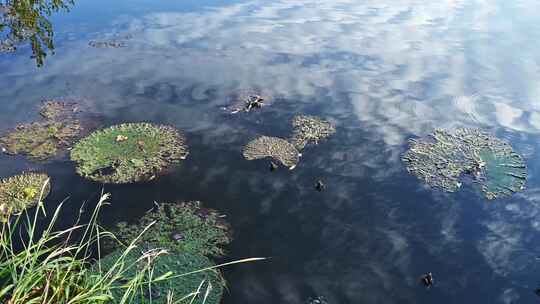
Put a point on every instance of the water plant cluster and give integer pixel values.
(247, 101)
(189, 286)
(180, 227)
(189, 234)
(175, 240)
(116, 42)
(444, 159)
(310, 129)
(56, 266)
(306, 129)
(22, 191)
(48, 138)
(129, 152)
(273, 147)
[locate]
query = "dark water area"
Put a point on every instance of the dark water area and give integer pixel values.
(382, 71)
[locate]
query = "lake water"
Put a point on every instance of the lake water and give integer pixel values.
(383, 71)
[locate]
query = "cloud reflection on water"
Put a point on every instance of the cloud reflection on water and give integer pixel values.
(384, 71)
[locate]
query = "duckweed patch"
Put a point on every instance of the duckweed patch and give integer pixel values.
(272, 147)
(21, 191)
(444, 159)
(130, 152)
(180, 227)
(310, 129)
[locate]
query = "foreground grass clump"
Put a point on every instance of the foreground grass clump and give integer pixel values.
(45, 273)
(55, 267)
(22, 191)
(183, 227)
(127, 153)
(195, 288)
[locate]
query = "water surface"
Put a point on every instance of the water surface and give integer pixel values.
(383, 71)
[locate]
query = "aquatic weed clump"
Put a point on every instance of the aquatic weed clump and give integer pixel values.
(180, 227)
(129, 152)
(59, 109)
(40, 140)
(22, 191)
(118, 41)
(310, 129)
(272, 147)
(187, 279)
(247, 100)
(443, 159)
(46, 139)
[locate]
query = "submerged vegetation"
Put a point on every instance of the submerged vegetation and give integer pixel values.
(46, 139)
(130, 152)
(22, 191)
(310, 129)
(272, 147)
(445, 158)
(181, 227)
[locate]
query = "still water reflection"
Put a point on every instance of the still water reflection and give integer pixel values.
(382, 71)
(28, 22)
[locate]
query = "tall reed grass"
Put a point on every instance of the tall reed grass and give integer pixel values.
(53, 268)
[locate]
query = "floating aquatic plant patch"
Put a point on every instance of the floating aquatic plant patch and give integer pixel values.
(247, 100)
(272, 147)
(46, 139)
(58, 109)
(128, 152)
(310, 129)
(181, 227)
(194, 288)
(116, 42)
(22, 191)
(40, 140)
(444, 159)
